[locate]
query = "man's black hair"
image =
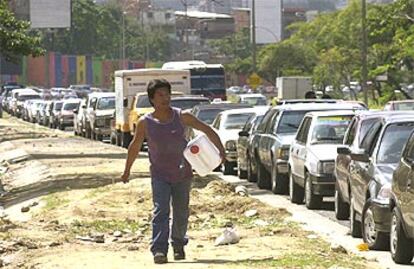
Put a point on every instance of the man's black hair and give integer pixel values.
(310, 95)
(156, 84)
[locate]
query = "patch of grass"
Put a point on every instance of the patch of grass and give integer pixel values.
(104, 226)
(306, 259)
(53, 201)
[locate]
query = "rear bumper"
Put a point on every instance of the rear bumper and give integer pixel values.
(323, 185)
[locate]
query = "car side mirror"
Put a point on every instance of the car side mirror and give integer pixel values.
(343, 150)
(360, 156)
(84, 106)
(125, 103)
(244, 133)
(75, 111)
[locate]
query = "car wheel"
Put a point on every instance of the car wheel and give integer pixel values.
(251, 176)
(61, 127)
(228, 168)
(341, 208)
(312, 201)
(279, 182)
(355, 225)
(242, 173)
(400, 245)
(375, 239)
(113, 138)
(263, 180)
(296, 192)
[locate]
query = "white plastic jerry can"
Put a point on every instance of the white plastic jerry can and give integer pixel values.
(203, 156)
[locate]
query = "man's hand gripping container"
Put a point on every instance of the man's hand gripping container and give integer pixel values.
(203, 156)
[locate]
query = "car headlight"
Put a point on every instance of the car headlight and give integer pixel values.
(231, 145)
(100, 122)
(326, 167)
(283, 153)
(384, 193)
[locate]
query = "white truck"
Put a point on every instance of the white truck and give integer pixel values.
(130, 82)
(293, 87)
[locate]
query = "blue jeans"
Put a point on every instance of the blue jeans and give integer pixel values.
(179, 195)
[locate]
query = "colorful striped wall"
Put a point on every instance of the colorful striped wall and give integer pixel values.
(58, 70)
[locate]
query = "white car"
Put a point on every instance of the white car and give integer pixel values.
(313, 154)
(227, 125)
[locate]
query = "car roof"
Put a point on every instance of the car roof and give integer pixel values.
(251, 95)
(189, 97)
(257, 109)
(400, 101)
(221, 105)
(68, 101)
(306, 101)
(318, 106)
(330, 113)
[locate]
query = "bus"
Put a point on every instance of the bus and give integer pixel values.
(206, 79)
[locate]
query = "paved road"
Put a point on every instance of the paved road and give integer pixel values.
(322, 222)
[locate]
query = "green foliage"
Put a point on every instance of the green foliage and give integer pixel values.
(16, 39)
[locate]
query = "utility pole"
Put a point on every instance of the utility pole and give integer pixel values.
(253, 31)
(123, 39)
(364, 51)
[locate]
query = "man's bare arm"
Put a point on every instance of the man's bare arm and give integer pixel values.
(191, 121)
(134, 148)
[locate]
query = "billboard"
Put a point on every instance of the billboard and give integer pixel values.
(50, 13)
(268, 21)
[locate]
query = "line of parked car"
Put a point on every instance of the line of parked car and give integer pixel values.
(308, 150)
(364, 159)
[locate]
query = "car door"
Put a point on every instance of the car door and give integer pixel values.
(265, 129)
(343, 160)
(406, 187)
(298, 148)
(270, 140)
(243, 141)
(359, 171)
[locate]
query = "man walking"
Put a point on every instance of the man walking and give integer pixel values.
(171, 174)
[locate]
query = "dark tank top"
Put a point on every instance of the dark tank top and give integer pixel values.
(166, 143)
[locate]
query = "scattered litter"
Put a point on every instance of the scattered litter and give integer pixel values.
(25, 209)
(260, 222)
(229, 236)
(250, 213)
(133, 248)
(117, 234)
(34, 203)
(312, 236)
(241, 190)
(338, 248)
(140, 200)
(363, 247)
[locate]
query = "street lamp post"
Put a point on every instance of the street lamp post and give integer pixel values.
(123, 39)
(253, 31)
(364, 51)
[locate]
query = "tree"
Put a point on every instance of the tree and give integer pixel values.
(16, 39)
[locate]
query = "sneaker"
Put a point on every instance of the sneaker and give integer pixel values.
(160, 258)
(179, 253)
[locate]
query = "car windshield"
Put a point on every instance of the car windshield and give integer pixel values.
(393, 140)
(289, 122)
(236, 121)
(70, 106)
(330, 129)
(28, 97)
(254, 101)
(187, 103)
(208, 115)
(106, 103)
(404, 106)
(143, 101)
(58, 106)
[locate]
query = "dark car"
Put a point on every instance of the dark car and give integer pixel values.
(275, 133)
(360, 125)
(402, 207)
(243, 144)
(371, 172)
(208, 112)
(188, 102)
